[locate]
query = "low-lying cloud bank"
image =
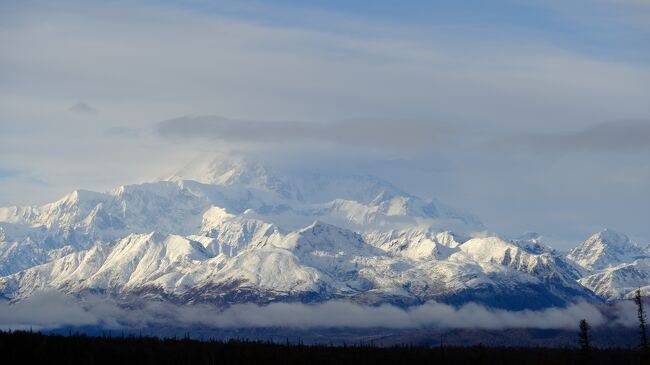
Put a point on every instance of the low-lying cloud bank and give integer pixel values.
(49, 310)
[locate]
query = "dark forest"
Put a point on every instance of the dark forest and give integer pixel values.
(20, 347)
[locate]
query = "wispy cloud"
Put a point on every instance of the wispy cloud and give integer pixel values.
(618, 136)
(84, 108)
(53, 310)
(399, 134)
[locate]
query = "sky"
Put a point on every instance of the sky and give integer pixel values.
(533, 115)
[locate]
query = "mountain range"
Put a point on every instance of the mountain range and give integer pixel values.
(229, 229)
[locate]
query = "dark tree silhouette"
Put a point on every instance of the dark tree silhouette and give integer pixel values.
(642, 321)
(36, 348)
(583, 337)
(584, 340)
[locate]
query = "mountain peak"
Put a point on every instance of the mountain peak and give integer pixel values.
(606, 248)
(234, 168)
(532, 242)
(221, 169)
(611, 237)
(79, 196)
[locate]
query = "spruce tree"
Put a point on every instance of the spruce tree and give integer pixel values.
(584, 339)
(642, 321)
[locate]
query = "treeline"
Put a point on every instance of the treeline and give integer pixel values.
(584, 336)
(20, 347)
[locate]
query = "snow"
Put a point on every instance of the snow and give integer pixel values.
(616, 282)
(606, 249)
(233, 230)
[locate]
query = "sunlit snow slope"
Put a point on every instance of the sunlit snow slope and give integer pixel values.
(230, 230)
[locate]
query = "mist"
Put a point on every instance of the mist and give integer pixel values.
(51, 310)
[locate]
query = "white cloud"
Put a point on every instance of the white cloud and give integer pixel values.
(53, 310)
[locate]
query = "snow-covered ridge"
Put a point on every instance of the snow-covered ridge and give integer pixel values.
(606, 249)
(232, 230)
(315, 263)
(619, 281)
(613, 265)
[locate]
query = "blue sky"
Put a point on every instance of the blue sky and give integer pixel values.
(530, 114)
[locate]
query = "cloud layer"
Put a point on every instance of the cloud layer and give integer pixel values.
(620, 136)
(405, 135)
(391, 135)
(49, 310)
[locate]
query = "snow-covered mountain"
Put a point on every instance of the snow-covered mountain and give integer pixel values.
(613, 266)
(620, 281)
(233, 230)
(316, 263)
(178, 206)
(606, 249)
